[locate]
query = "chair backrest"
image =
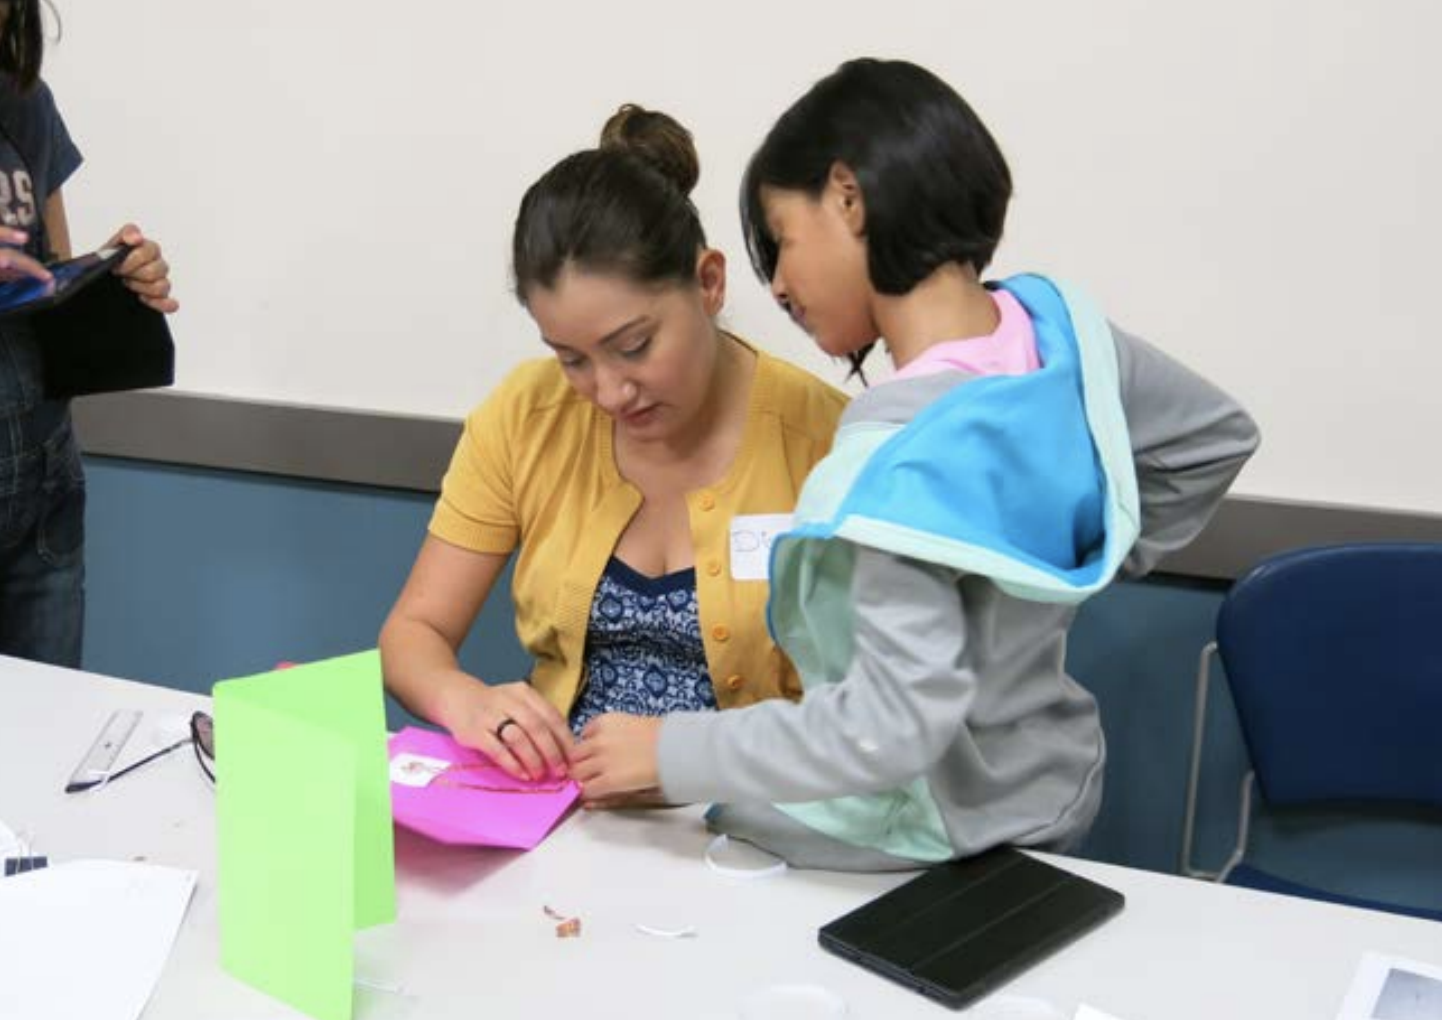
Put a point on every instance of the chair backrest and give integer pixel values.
(1334, 659)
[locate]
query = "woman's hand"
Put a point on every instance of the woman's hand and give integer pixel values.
(617, 755)
(14, 263)
(513, 726)
(144, 270)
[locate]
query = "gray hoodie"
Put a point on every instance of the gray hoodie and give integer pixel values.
(956, 727)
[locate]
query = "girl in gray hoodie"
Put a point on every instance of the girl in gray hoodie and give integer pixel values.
(1024, 454)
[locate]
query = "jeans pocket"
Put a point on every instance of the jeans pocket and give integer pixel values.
(60, 536)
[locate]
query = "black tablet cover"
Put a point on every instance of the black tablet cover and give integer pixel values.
(965, 927)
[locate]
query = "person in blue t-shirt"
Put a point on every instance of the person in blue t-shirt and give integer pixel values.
(42, 487)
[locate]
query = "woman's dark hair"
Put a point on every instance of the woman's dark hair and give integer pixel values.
(22, 43)
(621, 208)
(933, 180)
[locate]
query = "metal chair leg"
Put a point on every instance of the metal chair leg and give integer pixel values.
(1194, 772)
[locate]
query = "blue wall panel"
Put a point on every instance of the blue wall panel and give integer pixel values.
(197, 575)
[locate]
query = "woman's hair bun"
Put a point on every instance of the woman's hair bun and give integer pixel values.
(656, 138)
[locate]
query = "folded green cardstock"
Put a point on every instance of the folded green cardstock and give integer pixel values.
(303, 824)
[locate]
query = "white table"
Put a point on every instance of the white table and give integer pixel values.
(471, 940)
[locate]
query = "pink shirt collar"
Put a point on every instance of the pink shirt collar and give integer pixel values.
(1010, 350)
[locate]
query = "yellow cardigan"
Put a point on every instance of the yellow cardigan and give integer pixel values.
(535, 468)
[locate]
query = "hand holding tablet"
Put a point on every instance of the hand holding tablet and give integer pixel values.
(26, 294)
(95, 332)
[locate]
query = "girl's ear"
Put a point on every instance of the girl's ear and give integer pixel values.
(711, 278)
(843, 192)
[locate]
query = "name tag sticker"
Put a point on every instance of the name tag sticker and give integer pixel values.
(751, 538)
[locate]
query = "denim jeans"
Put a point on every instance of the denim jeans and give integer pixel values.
(42, 536)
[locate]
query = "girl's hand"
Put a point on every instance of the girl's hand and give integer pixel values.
(14, 263)
(513, 726)
(145, 270)
(616, 755)
(640, 800)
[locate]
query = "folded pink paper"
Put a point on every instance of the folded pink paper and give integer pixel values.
(462, 798)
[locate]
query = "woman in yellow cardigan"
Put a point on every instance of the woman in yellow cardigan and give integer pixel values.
(635, 472)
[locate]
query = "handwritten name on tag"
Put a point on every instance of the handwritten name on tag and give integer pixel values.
(751, 538)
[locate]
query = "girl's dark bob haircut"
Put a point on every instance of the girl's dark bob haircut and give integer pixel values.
(933, 180)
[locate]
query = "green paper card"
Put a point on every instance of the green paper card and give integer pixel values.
(303, 824)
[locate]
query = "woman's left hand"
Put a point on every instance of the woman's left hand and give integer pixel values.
(616, 755)
(145, 270)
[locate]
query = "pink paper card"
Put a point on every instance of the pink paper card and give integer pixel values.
(455, 795)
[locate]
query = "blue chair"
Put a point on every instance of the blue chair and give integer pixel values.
(1333, 656)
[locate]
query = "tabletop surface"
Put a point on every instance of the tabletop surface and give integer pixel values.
(472, 939)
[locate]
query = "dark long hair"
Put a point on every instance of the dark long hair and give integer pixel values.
(934, 181)
(621, 208)
(22, 43)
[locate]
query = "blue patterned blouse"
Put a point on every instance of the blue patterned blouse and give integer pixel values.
(644, 654)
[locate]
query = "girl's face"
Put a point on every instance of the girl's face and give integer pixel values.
(645, 355)
(821, 275)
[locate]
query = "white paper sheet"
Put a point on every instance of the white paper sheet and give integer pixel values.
(87, 938)
(1392, 988)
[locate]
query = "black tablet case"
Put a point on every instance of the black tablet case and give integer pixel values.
(965, 927)
(102, 338)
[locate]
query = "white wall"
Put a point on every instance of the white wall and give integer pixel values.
(1253, 184)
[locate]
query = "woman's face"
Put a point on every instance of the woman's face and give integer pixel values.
(821, 275)
(643, 354)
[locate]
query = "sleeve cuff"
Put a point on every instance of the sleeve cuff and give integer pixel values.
(683, 758)
(450, 526)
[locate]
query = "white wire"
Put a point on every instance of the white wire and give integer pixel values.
(378, 986)
(719, 844)
(686, 932)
